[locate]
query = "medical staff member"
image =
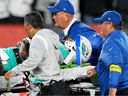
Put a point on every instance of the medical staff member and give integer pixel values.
(112, 67)
(64, 18)
(43, 59)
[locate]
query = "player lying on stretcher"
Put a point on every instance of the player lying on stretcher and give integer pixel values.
(11, 57)
(69, 70)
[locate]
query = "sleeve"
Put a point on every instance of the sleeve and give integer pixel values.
(36, 54)
(113, 60)
(114, 75)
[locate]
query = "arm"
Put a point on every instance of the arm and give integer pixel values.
(36, 47)
(91, 72)
(112, 92)
(113, 59)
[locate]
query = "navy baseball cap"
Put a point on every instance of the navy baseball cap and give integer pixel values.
(62, 5)
(111, 16)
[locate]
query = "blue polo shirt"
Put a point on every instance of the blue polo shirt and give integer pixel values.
(112, 66)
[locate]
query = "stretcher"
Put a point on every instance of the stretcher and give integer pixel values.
(69, 71)
(16, 83)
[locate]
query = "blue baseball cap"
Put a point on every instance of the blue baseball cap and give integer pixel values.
(111, 16)
(62, 5)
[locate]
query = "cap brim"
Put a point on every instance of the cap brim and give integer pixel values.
(98, 20)
(53, 9)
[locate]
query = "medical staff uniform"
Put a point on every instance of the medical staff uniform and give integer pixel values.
(113, 63)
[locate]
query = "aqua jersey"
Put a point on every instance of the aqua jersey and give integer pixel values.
(11, 62)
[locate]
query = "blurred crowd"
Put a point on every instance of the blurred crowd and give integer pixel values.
(93, 8)
(13, 11)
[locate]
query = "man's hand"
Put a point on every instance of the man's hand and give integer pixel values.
(91, 72)
(8, 75)
(112, 92)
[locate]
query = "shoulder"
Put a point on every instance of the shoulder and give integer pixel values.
(47, 32)
(80, 26)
